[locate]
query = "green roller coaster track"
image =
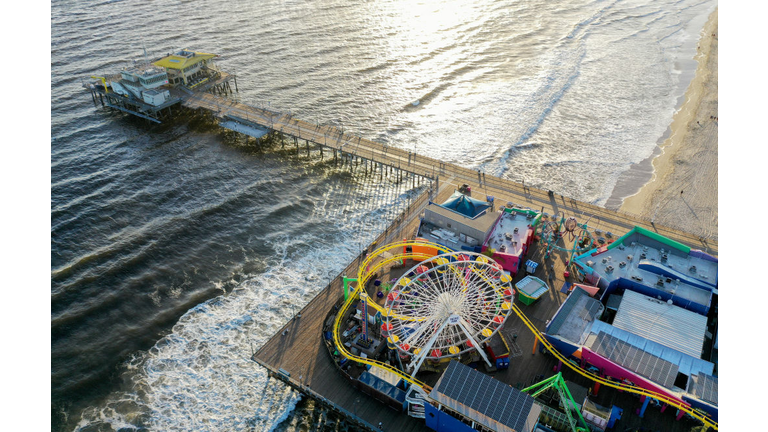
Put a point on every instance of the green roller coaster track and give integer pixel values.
(558, 383)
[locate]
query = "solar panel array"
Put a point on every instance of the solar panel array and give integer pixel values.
(487, 396)
(635, 359)
(705, 388)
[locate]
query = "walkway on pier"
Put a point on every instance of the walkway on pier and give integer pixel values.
(334, 138)
(297, 353)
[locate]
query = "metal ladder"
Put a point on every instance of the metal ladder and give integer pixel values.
(416, 400)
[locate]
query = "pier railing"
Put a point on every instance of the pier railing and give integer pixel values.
(335, 138)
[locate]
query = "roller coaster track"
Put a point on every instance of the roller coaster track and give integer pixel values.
(364, 274)
(705, 419)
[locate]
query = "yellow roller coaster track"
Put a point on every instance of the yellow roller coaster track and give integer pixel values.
(103, 82)
(365, 273)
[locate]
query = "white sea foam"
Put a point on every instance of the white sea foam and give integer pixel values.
(565, 100)
(200, 376)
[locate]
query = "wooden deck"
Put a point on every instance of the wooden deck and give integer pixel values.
(297, 354)
(504, 190)
(299, 348)
(302, 353)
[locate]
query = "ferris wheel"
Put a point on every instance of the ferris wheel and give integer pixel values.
(446, 306)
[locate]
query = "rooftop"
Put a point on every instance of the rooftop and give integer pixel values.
(182, 59)
(482, 222)
(686, 364)
(465, 205)
(635, 359)
(449, 236)
(646, 327)
(509, 233)
(145, 72)
(704, 387)
(654, 261)
(485, 400)
(575, 316)
(661, 322)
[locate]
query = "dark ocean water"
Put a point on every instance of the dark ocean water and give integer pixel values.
(176, 249)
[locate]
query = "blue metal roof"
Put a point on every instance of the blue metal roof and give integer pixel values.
(686, 364)
(465, 205)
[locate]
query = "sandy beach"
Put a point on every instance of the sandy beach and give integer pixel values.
(682, 192)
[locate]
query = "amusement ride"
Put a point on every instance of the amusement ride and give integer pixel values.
(451, 304)
(456, 299)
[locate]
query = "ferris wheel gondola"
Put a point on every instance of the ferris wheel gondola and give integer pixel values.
(446, 306)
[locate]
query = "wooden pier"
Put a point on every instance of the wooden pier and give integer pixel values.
(297, 354)
(381, 155)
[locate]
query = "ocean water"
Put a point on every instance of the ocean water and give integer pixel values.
(176, 249)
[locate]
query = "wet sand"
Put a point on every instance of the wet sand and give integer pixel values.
(682, 192)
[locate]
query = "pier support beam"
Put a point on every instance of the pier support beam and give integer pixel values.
(641, 411)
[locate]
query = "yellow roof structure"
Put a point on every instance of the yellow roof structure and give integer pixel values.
(183, 59)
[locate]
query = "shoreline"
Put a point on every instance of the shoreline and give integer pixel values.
(682, 190)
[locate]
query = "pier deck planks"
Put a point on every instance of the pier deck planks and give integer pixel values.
(504, 190)
(301, 351)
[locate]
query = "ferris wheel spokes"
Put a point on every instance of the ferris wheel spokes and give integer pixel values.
(447, 305)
